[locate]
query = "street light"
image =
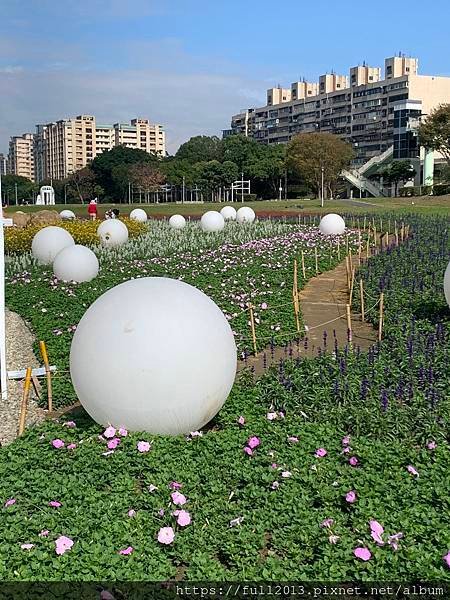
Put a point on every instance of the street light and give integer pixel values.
(322, 187)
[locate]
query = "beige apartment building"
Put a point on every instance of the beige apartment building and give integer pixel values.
(68, 145)
(3, 164)
(20, 156)
(378, 116)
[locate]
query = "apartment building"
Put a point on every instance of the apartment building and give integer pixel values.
(372, 113)
(68, 145)
(20, 156)
(3, 164)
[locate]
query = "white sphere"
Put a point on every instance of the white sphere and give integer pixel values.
(138, 214)
(76, 263)
(245, 215)
(67, 215)
(228, 213)
(153, 354)
(332, 224)
(112, 232)
(177, 222)
(212, 221)
(48, 242)
(447, 284)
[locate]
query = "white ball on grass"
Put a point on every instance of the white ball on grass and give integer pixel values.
(245, 215)
(228, 213)
(332, 224)
(112, 232)
(67, 215)
(212, 221)
(138, 214)
(177, 222)
(447, 284)
(76, 263)
(153, 354)
(48, 242)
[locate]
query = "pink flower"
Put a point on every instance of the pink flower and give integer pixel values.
(320, 452)
(393, 540)
(264, 305)
(183, 517)
(143, 446)
(241, 420)
(293, 439)
(431, 445)
(281, 414)
(447, 558)
(353, 461)
(346, 440)
(350, 496)
(131, 513)
(248, 451)
(27, 546)
(174, 485)
(70, 424)
(55, 503)
(376, 531)
(178, 499)
(10, 502)
(109, 432)
(122, 432)
(346, 450)
(274, 466)
(271, 416)
(112, 444)
(412, 470)
(63, 544)
(57, 443)
(161, 512)
(166, 535)
(71, 447)
(253, 442)
(327, 523)
(43, 533)
(126, 551)
(362, 553)
(275, 485)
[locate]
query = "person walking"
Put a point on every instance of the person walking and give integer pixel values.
(92, 210)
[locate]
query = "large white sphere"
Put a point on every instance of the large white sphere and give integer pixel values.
(76, 263)
(332, 224)
(138, 214)
(212, 221)
(153, 354)
(228, 213)
(245, 215)
(447, 284)
(177, 221)
(48, 242)
(112, 232)
(67, 215)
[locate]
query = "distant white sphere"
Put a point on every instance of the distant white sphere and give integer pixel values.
(138, 214)
(177, 221)
(228, 213)
(112, 232)
(212, 221)
(76, 263)
(153, 354)
(447, 284)
(245, 215)
(48, 242)
(67, 215)
(332, 224)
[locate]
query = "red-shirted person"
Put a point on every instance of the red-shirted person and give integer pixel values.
(92, 210)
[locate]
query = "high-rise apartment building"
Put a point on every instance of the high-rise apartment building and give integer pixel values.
(375, 115)
(3, 164)
(20, 156)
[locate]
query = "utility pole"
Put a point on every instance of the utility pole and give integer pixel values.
(280, 189)
(322, 189)
(129, 192)
(285, 184)
(184, 191)
(242, 187)
(15, 189)
(65, 193)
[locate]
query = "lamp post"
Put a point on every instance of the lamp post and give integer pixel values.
(322, 187)
(65, 193)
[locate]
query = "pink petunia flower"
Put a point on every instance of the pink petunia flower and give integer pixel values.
(248, 451)
(43, 533)
(327, 522)
(362, 553)
(27, 546)
(166, 535)
(350, 497)
(253, 442)
(320, 452)
(10, 502)
(447, 559)
(271, 416)
(71, 447)
(412, 470)
(241, 420)
(57, 443)
(143, 446)
(131, 512)
(178, 499)
(293, 439)
(174, 485)
(346, 440)
(353, 461)
(55, 503)
(264, 305)
(346, 450)
(122, 432)
(126, 551)
(109, 432)
(63, 544)
(183, 517)
(431, 445)
(70, 424)
(112, 444)
(393, 540)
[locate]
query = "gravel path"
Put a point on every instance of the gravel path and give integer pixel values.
(19, 355)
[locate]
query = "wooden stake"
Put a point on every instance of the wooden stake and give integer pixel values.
(295, 282)
(316, 260)
(346, 243)
(347, 269)
(35, 383)
(349, 324)
(339, 250)
(364, 226)
(368, 246)
(296, 310)
(351, 285)
(381, 317)
(361, 294)
(252, 326)
(396, 236)
(23, 408)
(48, 374)
(303, 266)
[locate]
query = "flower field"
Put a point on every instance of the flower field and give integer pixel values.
(333, 468)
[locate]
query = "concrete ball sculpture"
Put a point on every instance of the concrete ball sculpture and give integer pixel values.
(112, 233)
(245, 215)
(212, 221)
(332, 224)
(177, 222)
(76, 263)
(48, 242)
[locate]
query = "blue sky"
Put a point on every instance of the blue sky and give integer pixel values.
(192, 64)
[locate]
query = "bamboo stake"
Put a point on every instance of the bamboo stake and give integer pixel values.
(252, 326)
(296, 310)
(349, 323)
(396, 236)
(351, 286)
(295, 283)
(347, 268)
(364, 226)
(303, 265)
(44, 354)
(316, 260)
(339, 250)
(361, 293)
(368, 246)
(346, 243)
(381, 317)
(23, 408)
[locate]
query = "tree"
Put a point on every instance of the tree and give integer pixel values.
(398, 171)
(310, 154)
(24, 187)
(84, 182)
(434, 132)
(265, 168)
(213, 176)
(241, 150)
(200, 148)
(147, 177)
